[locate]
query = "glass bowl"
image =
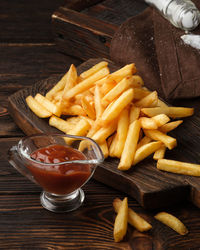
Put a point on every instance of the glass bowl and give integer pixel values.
(59, 164)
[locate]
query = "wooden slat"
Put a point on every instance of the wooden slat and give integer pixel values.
(23, 21)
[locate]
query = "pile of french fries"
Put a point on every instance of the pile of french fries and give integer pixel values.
(126, 215)
(115, 109)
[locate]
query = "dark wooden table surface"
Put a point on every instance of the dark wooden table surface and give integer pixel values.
(28, 54)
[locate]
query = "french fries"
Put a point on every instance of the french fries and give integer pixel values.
(172, 222)
(121, 221)
(178, 167)
(134, 219)
(127, 120)
(37, 108)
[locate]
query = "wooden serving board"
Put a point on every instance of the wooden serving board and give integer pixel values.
(150, 187)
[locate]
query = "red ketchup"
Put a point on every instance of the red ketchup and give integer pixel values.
(62, 179)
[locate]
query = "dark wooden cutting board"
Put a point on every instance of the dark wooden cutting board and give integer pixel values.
(150, 187)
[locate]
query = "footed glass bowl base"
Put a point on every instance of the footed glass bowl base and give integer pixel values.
(62, 203)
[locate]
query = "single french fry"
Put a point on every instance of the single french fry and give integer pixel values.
(58, 87)
(114, 109)
(144, 141)
(140, 93)
(179, 167)
(88, 108)
(121, 221)
(80, 129)
(170, 126)
(93, 69)
(104, 149)
(172, 222)
(71, 81)
(161, 119)
(162, 104)
(134, 219)
(127, 70)
(154, 134)
(160, 153)
(104, 132)
(73, 110)
(173, 112)
(37, 108)
(60, 124)
(112, 146)
(122, 130)
(148, 100)
(136, 81)
(148, 123)
(134, 113)
(97, 102)
(87, 83)
(146, 150)
(130, 146)
(116, 91)
(53, 108)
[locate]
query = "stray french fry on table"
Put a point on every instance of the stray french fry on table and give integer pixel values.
(172, 222)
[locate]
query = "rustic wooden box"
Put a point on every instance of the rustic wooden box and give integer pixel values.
(84, 28)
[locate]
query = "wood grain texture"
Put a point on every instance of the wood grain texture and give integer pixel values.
(27, 21)
(151, 188)
(26, 225)
(91, 25)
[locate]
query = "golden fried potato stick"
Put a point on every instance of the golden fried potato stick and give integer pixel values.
(170, 126)
(93, 70)
(154, 134)
(148, 101)
(104, 132)
(58, 87)
(148, 123)
(172, 222)
(134, 113)
(134, 219)
(144, 141)
(160, 153)
(112, 145)
(122, 130)
(60, 124)
(114, 109)
(87, 83)
(104, 149)
(88, 108)
(97, 102)
(71, 81)
(173, 112)
(53, 108)
(140, 93)
(121, 221)
(80, 129)
(178, 167)
(127, 70)
(73, 110)
(123, 85)
(136, 81)
(161, 119)
(37, 108)
(146, 150)
(130, 146)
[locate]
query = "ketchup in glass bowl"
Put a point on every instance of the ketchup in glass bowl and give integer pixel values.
(60, 164)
